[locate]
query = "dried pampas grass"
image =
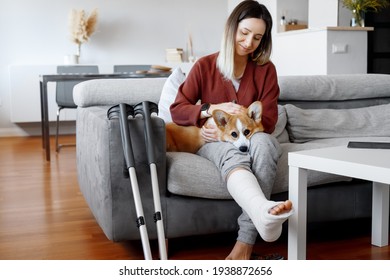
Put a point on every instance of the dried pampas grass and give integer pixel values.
(81, 26)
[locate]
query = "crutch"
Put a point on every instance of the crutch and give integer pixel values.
(123, 113)
(147, 108)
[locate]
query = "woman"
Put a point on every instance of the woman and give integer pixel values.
(230, 80)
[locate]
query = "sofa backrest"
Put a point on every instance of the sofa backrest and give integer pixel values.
(307, 92)
(319, 107)
(335, 91)
(110, 92)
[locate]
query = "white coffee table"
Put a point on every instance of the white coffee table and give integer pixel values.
(367, 164)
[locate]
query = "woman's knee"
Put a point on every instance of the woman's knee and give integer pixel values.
(265, 143)
(226, 157)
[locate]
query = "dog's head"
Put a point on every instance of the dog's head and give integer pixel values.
(238, 129)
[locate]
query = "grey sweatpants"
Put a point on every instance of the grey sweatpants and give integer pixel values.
(262, 160)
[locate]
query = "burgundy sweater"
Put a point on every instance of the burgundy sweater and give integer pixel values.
(206, 83)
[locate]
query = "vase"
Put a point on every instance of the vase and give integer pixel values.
(358, 18)
(71, 59)
(78, 52)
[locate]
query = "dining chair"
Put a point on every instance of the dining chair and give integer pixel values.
(131, 68)
(64, 92)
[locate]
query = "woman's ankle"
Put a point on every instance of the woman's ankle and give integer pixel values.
(240, 251)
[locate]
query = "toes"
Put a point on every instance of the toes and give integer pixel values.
(276, 209)
(288, 205)
(272, 211)
(281, 208)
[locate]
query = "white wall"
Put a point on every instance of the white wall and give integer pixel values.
(323, 13)
(300, 52)
(35, 32)
(312, 52)
(232, 4)
(129, 32)
(309, 51)
(354, 60)
(292, 10)
(345, 15)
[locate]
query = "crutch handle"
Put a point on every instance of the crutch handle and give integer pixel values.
(127, 148)
(147, 108)
(123, 111)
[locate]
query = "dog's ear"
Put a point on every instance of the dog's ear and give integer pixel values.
(255, 111)
(221, 118)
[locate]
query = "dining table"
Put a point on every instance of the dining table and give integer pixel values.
(47, 78)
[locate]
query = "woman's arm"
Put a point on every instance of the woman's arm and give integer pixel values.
(269, 93)
(184, 110)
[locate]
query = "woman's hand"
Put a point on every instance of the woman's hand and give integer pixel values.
(209, 133)
(229, 107)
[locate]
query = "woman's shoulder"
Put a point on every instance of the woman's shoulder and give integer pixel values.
(206, 64)
(207, 59)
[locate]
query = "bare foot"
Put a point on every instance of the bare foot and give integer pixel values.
(241, 251)
(281, 208)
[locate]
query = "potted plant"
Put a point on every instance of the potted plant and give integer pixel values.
(82, 27)
(360, 7)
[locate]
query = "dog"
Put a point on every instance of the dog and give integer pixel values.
(236, 129)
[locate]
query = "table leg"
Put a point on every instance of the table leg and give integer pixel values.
(42, 114)
(45, 114)
(380, 214)
(297, 222)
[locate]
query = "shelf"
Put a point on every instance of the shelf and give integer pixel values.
(292, 27)
(349, 28)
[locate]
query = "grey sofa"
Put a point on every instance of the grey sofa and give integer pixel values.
(314, 112)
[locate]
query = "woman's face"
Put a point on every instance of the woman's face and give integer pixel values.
(250, 31)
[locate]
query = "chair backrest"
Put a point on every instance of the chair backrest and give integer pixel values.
(131, 68)
(64, 90)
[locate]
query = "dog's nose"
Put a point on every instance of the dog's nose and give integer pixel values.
(243, 149)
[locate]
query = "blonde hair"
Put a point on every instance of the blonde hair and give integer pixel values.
(244, 10)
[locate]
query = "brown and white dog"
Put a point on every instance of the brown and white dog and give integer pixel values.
(236, 129)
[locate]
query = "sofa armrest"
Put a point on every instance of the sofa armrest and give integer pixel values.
(107, 92)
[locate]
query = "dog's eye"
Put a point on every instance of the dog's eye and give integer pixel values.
(234, 134)
(247, 132)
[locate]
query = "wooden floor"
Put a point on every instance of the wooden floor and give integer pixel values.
(43, 215)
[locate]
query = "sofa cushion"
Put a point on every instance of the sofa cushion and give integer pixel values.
(280, 131)
(309, 124)
(169, 93)
(193, 175)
